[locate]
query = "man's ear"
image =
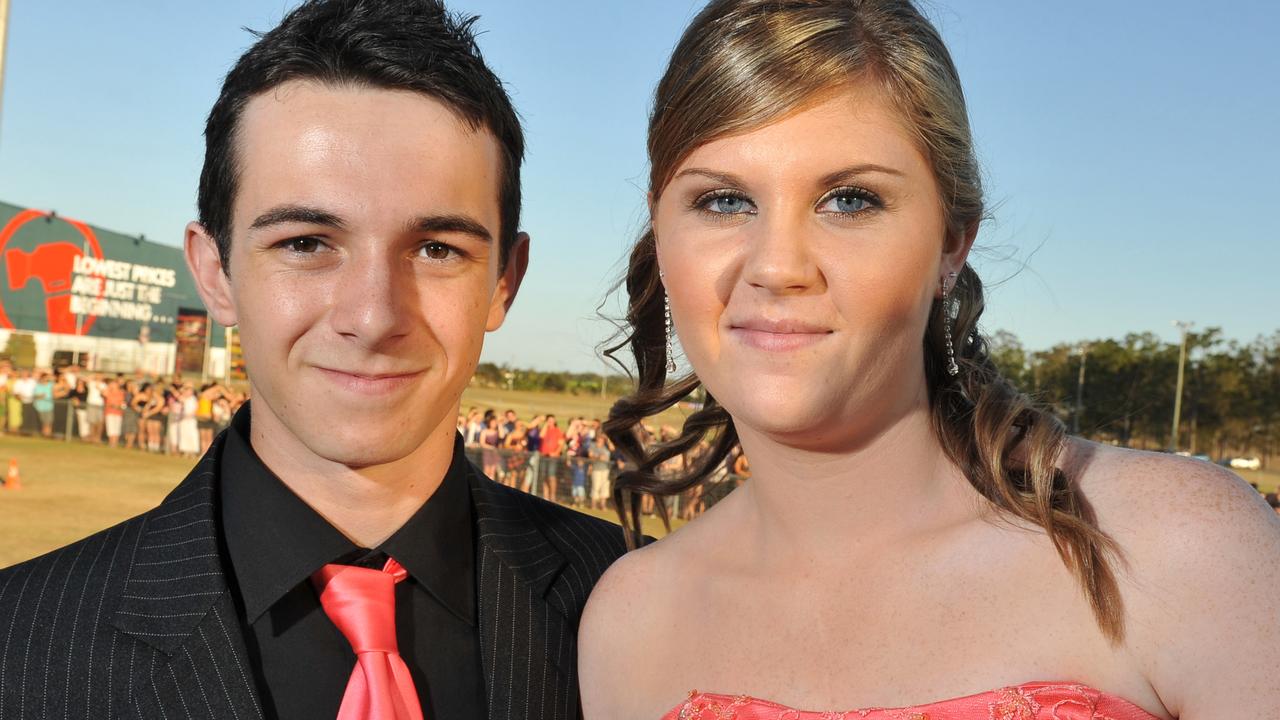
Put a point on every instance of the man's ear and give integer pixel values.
(509, 282)
(212, 282)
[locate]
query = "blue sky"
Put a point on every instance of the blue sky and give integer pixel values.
(1130, 147)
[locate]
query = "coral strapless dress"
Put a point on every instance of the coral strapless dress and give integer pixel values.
(1032, 701)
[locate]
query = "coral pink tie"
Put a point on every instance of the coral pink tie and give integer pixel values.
(362, 603)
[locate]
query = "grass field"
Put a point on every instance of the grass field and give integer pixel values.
(1268, 481)
(71, 490)
(562, 405)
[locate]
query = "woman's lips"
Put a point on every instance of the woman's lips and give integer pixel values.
(778, 335)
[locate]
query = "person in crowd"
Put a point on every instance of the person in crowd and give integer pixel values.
(601, 454)
(188, 406)
(551, 447)
(206, 423)
(113, 406)
(577, 448)
(222, 412)
(95, 406)
(173, 418)
(334, 554)
(1273, 500)
(516, 457)
(914, 529)
(490, 441)
(62, 390)
(140, 404)
(77, 396)
(131, 425)
(475, 426)
(20, 404)
(42, 401)
(153, 416)
(533, 446)
(509, 420)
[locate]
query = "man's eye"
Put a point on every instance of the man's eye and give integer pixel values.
(437, 251)
(305, 245)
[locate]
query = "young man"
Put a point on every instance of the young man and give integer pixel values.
(358, 211)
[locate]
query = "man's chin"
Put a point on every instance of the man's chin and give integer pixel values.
(361, 457)
(362, 450)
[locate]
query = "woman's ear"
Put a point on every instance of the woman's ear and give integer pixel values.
(955, 251)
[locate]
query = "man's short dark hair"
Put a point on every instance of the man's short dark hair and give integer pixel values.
(415, 45)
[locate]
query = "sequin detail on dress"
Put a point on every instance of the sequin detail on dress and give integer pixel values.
(1030, 701)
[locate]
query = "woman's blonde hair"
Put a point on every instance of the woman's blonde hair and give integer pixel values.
(743, 64)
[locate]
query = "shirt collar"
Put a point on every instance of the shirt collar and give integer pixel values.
(275, 540)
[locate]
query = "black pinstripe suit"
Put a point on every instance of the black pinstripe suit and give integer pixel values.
(138, 621)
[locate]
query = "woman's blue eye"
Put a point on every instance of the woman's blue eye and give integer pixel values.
(847, 204)
(728, 205)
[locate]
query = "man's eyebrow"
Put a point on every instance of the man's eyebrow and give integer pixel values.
(297, 214)
(450, 224)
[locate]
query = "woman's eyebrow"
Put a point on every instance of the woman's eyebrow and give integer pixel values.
(725, 178)
(854, 171)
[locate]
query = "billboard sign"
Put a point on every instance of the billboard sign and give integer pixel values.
(64, 276)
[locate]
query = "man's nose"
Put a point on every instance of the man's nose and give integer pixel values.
(374, 299)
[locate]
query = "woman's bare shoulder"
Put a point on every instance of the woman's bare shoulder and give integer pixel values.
(1200, 572)
(627, 630)
(637, 614)
(1160, 496)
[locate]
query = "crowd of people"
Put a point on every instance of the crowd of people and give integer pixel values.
(576, 464)
(133, 411)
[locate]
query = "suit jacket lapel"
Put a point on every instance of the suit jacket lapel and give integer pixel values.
(528, 613)
(177, 600)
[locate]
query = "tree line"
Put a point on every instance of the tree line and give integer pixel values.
(512, 378)
(1123, 390)
(1112, 390)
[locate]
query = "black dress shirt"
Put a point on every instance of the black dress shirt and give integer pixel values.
(301, 662)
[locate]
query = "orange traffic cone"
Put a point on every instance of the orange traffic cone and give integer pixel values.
(13, 481)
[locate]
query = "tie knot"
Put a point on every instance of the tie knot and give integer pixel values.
(361, 602)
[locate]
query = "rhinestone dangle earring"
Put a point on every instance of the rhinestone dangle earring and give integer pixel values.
(670, 327)
(950, 310)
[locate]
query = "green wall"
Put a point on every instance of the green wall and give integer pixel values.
(135, 283)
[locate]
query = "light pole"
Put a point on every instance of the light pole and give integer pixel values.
(4, 34)
(1084, 358)
(1183, 327)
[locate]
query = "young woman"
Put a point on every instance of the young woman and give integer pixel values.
(516, 457)
(188, 425)
(132, 438)
(151, 409)
(489, 444)
(913, 529)
(43, 403)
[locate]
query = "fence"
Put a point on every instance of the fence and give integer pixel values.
(569, 480)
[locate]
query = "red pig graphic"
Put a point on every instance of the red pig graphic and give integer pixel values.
(52, 265)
